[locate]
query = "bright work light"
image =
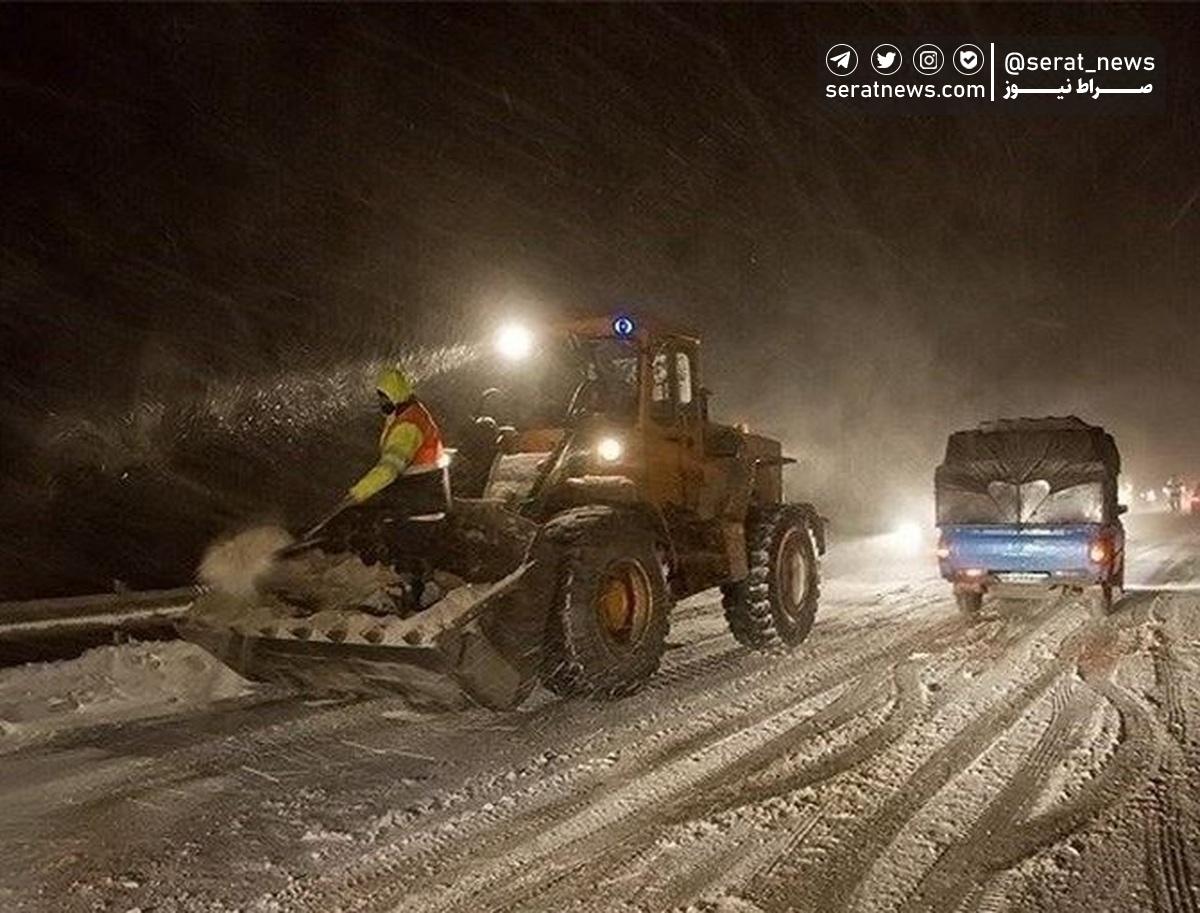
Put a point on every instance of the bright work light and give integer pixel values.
(514, 342)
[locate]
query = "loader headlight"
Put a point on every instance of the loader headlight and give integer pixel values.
(609, 449)
(514, 342)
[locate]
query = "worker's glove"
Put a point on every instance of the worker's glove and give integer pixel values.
(356, 495)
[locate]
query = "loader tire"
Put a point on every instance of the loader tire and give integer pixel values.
(777, 602)
(611, 611)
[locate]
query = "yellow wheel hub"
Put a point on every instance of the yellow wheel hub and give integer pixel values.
(793, 571)
(623, 603)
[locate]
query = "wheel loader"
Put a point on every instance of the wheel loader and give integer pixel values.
(592, 518)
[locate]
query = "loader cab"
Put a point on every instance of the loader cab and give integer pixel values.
(637, 375)
(676, 430)
(637, 412)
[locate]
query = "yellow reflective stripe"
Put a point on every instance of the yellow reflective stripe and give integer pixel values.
(413, 470)
(379, 477)
(403, 441)
(399, 444)
(394, 460)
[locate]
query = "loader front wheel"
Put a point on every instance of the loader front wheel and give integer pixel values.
(609, 622)
(777, 602)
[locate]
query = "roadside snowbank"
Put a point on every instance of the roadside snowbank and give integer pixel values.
(109, 684)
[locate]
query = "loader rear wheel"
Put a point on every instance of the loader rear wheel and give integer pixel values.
(608, 625)
(777, 602)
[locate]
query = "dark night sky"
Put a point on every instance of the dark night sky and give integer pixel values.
(214, 216)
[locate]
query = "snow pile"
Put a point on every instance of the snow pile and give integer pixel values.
(247, 566)
(315, 581)
(234, 565)
(110, 684)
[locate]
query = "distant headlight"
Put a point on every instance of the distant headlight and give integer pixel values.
(909, 536)
(609, 449)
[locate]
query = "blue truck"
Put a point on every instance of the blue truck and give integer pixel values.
(1031, 504)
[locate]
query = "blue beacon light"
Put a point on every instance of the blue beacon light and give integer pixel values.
(624, 326)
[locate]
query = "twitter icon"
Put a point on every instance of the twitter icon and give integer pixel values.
(886, 59)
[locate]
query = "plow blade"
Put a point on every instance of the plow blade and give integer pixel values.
(444, 656)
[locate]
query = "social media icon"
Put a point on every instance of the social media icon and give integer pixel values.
(928, 59)
(841, 60)
(968, 59)
(886, 59)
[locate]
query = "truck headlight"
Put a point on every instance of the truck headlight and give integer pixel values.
(609, 449)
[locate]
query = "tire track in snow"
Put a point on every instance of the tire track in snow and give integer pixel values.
(1001, 838)
(1169, 862)
(732, 789)
(613, 849)
(961, 870)
(389, 874)
(854, 858)
(835, 885)
(745, 861)
(525, 869)
(665, 767)
(797, 774)
(1168, 856)
(731, 796)
(788, 775)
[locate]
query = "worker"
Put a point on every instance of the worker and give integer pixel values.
(1174, 492)
(410, 454)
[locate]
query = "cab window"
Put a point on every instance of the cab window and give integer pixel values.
(612, 378)
(660, 390)
(683, 378)
(662, 380)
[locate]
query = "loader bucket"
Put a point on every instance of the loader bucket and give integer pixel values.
(442, 656)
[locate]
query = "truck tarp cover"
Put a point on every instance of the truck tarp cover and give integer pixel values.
(1053, 470)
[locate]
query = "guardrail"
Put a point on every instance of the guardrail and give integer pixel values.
(43, 629)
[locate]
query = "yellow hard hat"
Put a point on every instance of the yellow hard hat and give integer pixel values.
(394, 384)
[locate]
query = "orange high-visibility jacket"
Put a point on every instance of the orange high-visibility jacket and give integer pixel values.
(410, 443)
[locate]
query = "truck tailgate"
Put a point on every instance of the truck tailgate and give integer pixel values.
(1030, 549)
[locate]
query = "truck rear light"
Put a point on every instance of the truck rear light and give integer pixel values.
(943, 550)
(1098, 551)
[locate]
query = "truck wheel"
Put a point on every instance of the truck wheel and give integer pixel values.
(608, 625)
(1100, 600)
(970, 602)
(777, 602)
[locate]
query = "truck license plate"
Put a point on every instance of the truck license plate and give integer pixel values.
(1024, 577)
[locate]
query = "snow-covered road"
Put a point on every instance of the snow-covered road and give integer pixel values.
(901, 759)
